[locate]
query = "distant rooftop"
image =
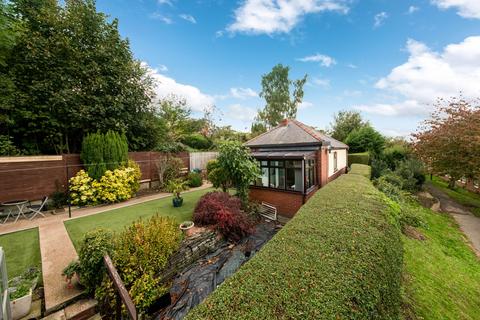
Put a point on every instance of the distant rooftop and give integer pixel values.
(293, 132)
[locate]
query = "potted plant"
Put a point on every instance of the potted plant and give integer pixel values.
(176, 186)
(186, 227)
(20, 290)
(70, 270)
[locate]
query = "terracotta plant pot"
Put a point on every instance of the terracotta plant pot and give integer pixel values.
(187, 227)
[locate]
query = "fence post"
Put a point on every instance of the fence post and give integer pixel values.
(5, 313)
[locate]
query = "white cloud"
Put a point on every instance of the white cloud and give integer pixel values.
(352, 93)
(305, 105)
(188, 17)
(161, 17)
(428, 75)
(162, 68)
(243, 93)
(465, 8)
(324, 83)
(379, 19)
(325, 61)
(219, 34)
(279, 16)
(413, 9)
(242, 113)
(167, 2)
(352, 66)
(166, 86)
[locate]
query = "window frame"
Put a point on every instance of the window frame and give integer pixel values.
(284, 166)
(335, 161)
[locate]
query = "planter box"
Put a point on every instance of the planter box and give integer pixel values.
(21, 307)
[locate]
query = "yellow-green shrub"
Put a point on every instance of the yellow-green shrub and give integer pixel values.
(141, 252)
(114, 186)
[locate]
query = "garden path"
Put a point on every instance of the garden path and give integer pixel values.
(57, 251)
(469, 224)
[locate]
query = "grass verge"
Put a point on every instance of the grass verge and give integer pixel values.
(117, 219)
(442, 274)
(462, 196)
(22, 251)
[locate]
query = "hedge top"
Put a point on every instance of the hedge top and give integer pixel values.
(361, 169)
(338, 258)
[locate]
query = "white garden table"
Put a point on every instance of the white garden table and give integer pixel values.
(20, 204)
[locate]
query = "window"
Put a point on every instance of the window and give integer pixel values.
(281, 174)
(335, 166)
(310, 173)
(294, 175)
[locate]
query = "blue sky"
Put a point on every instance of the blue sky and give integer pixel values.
(389, 59)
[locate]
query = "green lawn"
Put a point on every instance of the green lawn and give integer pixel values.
(442, 274)
(117, 219)
(462, 196)
(22, 251)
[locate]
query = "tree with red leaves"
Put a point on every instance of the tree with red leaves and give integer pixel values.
(449, 142)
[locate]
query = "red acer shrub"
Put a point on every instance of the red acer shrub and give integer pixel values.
(221, 210)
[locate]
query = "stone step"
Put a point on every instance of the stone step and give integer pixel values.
(81, 310)
(97, 316)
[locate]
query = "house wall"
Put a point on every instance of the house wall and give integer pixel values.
(322, 167)
(287, 203)
(341, 161)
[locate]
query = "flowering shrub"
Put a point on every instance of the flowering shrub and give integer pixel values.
(224, 212)
(114, 186)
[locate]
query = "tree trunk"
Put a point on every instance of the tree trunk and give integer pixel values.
(451, 183)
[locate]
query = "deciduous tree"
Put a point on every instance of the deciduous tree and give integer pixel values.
(281, 103)
(449, 142)
(344, 122)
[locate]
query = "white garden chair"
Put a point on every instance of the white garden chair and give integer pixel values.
(37, 208)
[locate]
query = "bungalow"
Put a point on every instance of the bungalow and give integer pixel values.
(296, 160)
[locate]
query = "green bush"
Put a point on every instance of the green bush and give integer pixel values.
(338, 258)
(412, 171)
(361, 169)
(197, 141)
(218, 176)
(102, 152)
(392, 190)
(361, 158)
(95, 245)
(364, 139)
(194, 179)
(7, 148)
(115, 150)
(140, 254)
(92, 155)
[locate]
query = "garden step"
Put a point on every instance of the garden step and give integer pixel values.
(97, 316)
(81, 310)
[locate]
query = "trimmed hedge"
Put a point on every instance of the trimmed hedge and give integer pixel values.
(361, 158)
(361, 169)
(338, 258)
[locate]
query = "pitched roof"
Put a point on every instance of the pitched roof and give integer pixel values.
(291, 132)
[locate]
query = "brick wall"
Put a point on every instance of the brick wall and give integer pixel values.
(31, 178)
(287, 203)
(322, 166)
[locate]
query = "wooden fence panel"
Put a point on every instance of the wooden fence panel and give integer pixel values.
(34, 177)
(199, 160)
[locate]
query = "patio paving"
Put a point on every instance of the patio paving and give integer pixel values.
(57, 249)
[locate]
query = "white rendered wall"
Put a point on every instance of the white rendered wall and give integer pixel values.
(341, 161)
